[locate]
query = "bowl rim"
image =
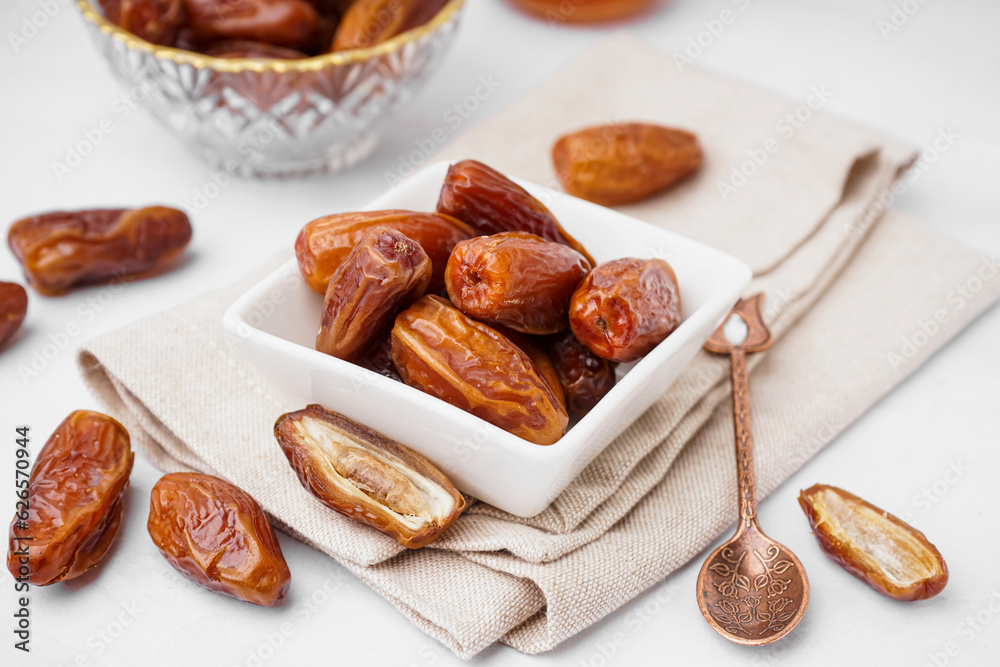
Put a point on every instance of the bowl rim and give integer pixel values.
(183, 57)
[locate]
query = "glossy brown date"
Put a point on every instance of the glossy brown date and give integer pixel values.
(515, 279)
(885, 552)
(492, 203)
(290, 23)
(370, 22)
(156, 21)
(13, 308)
(368, 477)
(241, 48)
(443, 352)
(385, 273)
(585, 377)
(218, 536)
(625, 308)
(74, 500)
(531, 346)
(59, 251)
(324, 244)
(624, 163)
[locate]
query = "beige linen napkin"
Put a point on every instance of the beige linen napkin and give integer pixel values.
(847, 288)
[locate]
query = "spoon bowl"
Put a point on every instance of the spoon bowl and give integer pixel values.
(752, 590)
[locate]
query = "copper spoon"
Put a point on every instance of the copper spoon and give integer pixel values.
(751, 590)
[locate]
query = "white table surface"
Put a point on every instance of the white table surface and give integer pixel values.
(941, 69)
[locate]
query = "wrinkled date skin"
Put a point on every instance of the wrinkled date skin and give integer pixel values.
(156, 21)
(74, 500)
(370, 22)
(585, 377)
(885, 552)
(515, 279)
(385, 273)
(624, 163)
(626, 307)
(324, 244)
(443, 352)
(218, 536)
(290, 23)
(13, 308)
(59, 251)
(241, 48)
(531, 346)
(492, 203)
(368, 477)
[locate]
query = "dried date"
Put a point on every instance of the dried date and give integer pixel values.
(368, 477)
(531, 346)
(443, 352)
(885, 552)
(625, 308)
(294, 24)
(624, 163)
(156, 21)
(385, 273)
(242, 48)
(324, 244)
(13, 308)
(74, 501)
(59, 251)
(370, 22)
(218, 536)
(492, 203)
(585, 377)
(515, 279)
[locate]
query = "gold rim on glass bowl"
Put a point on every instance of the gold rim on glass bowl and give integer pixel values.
(182, 57)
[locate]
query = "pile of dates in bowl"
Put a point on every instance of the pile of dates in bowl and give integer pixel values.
(273, 87)
(486, 303)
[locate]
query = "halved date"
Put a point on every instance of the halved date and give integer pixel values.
(384, 274)
(218, 536)
(59, 251)
(324, 244)
(370, 22)
(492, 203)
(626, 307)
(368, 477)
(13, 308)
(74, 500)
(624, 162)
(445, 353)
(291, 23)
(882, 550)
(585, 377)
(156, 21)
(515, 279)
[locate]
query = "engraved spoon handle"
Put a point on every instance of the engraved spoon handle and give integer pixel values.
(744, 439)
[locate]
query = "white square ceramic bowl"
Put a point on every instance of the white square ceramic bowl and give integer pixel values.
(276, 323)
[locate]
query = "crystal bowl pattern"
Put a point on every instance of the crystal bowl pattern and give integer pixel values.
(276, 117)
